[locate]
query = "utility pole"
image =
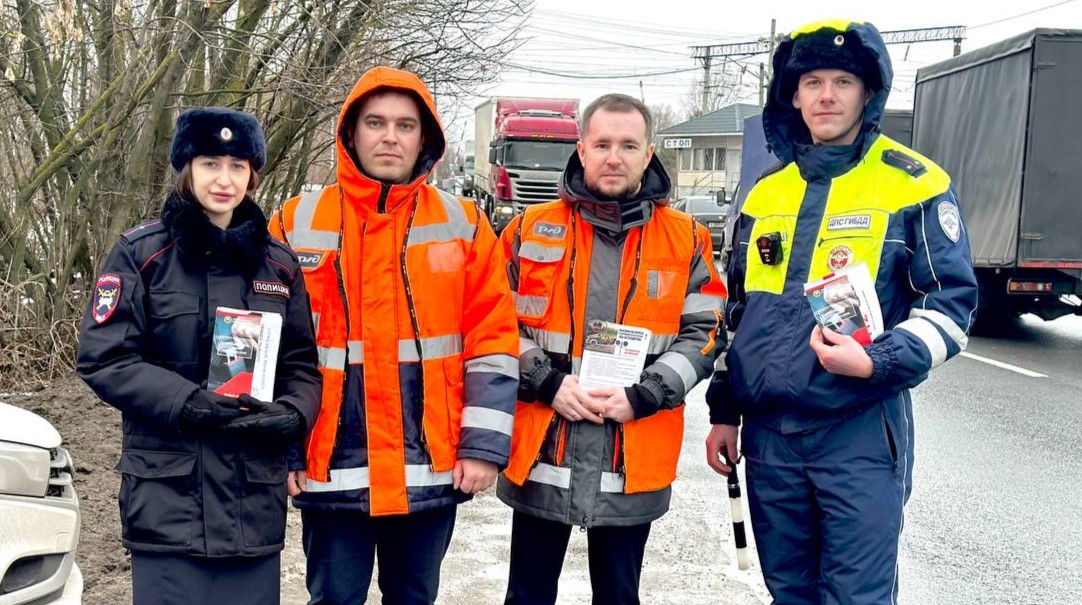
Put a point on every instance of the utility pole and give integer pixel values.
(642, 95)
(957, 46)
(773, 45)
(706, 84)
(762, 84)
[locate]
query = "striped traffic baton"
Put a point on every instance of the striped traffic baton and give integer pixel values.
(736, 507)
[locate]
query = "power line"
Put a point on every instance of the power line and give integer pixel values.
(1027, 13)
(574, 36)
(598, 76)
(637, 25)
(763, 45)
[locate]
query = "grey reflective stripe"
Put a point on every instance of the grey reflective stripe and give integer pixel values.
(332, 358)
(700, 303)
(683, 368)
(540, 253)
(957, 334)
(440, 232)
(576, 365)
(356, 352)
(659, 343)
(557, 342)
(531, 305)
(457, 226)
(496, 363)
(304, 237)
(474, 417)
(925, 332)
(525, 345)
(343, 479)
(612, 483)
(432, 348)
(315, 323)
(422, 475)
(551, 475)
(652, 278)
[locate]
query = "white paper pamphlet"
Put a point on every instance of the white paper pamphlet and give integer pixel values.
(613, 355)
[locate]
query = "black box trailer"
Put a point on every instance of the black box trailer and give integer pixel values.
(1005, 121)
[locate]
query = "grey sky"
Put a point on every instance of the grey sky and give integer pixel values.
(598, 39)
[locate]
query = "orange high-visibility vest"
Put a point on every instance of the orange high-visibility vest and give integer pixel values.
(550, 234)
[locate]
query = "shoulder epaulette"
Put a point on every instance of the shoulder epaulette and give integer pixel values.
(904, 161)
(143, 230)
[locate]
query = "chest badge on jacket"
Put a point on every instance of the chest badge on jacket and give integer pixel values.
(840, 257)
(106, 297)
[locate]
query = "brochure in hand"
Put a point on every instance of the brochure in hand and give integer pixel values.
(846, 302)
(244, 352)
(613, 355)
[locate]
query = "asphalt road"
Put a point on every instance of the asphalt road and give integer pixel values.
(996, 511)
(995, 516)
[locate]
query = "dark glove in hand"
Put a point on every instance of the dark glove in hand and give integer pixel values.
(267, 420)
(207, 410)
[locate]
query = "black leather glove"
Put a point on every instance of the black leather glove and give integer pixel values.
(207, 410)
(267, 420)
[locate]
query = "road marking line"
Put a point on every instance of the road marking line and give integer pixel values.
(1005, 366)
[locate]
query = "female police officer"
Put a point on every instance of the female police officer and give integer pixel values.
(202, 495)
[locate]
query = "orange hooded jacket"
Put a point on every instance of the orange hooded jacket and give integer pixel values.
(418, 342)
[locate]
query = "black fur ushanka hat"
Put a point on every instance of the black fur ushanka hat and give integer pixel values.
(218, 131)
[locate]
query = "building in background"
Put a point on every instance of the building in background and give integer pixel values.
(709, 150)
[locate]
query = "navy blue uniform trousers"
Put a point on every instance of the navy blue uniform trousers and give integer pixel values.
(826, 505)
(342, 548)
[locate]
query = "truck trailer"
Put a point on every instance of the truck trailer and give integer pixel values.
(522, 147)
(1003, 121)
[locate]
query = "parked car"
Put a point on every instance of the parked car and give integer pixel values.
(39, 513)
(711, 212)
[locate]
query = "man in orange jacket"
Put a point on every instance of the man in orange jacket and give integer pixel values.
(610, 250)
(418, 348)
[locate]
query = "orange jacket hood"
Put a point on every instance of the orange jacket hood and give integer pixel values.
(361, 187)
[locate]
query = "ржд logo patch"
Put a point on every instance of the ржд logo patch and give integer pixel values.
(550, 230)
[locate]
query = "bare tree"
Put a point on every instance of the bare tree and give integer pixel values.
(665, 115)
(726, 87)
(89, 92)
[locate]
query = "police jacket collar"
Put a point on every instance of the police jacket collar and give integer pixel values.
(828, 161)
(615, 216)
(242, 245)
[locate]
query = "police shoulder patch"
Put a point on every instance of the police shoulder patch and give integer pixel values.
(904, 161)
(950, 220)
(106, 296)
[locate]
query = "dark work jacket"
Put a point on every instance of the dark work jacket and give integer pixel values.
(145, 350)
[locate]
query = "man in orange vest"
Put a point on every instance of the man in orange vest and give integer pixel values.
(418, 350)
(610, 250)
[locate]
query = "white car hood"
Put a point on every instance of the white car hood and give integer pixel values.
(20, 426)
